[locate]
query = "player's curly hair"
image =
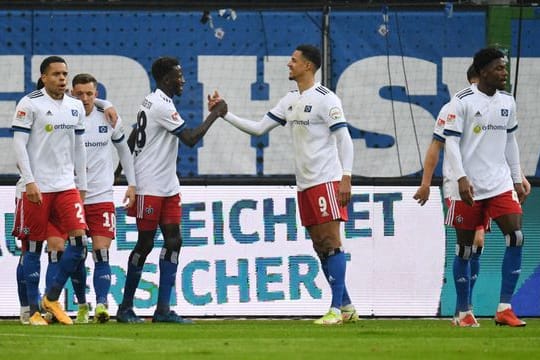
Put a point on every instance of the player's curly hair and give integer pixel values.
(311, 53)
(483, 57)
(162, 66)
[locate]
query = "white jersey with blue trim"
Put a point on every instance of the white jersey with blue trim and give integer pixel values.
(99, 137)
(156, 146)
(482, 122)
(52, 126)
(312, 116)
(449, 186)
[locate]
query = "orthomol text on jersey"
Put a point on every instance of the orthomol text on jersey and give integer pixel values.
(478, 128)
(50, 127)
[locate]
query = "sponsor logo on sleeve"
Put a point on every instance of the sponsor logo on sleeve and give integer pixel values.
(450, 119)
(175, 116)
(21, 115)
(440, 122)
(335, 113)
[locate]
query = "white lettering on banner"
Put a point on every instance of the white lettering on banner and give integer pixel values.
(245, 253)
(125, 80)
(359, 86)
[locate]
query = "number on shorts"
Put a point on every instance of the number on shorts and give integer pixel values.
(322, 204)
(141, 127)
(79, 213)
(109, 220)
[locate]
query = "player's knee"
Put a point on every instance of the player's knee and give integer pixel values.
(464, 251)
(169, 255)
(54, 256)
(477, 250)
(514, 238)
(101, 255)
(35, 247)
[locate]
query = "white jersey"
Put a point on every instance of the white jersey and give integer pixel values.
(482, 122)
(20, 187)
(156, 147)
(312, 116)
(99, 137)
(449, 186)
(52, 126)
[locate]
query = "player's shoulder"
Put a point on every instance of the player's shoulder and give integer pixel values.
(36, 94)
(462, 94)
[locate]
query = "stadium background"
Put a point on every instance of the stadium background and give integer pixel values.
(392, 87)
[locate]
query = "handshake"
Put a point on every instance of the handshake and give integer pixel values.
(217, 105)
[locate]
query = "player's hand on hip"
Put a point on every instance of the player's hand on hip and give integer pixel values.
(129, 198)
(422, 195)
(33, 194)
(466, 191)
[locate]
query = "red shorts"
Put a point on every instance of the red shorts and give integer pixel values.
(54, 231)
(465, 217)
(319, 204)
(63, 209)
(101, 219)
(152, 211)
(18, 228)
(486, 225)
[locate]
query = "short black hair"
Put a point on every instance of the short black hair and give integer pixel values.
(162, 66)
(485, 56)
(311, 53)
(471, 73)
(48, 61)
(40, 85)
(83, 79)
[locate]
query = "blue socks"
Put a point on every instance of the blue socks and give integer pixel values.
(168, 265)
(68, 264)
(102, 275)
(31, 271)
(336, 277)
(78, 281)
(475, 270)
(135, 267)
(345, 300)
(511, 267)
(462, 276)
(52, 267)
(21, 284)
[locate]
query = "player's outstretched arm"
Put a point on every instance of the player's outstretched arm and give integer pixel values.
(430, 163)
(192, 136)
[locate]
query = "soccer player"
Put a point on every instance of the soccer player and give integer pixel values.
(47, 139)
(18, 233)
(422, 195)
(323, 160)
(159, 127)
(100, 137)
(483, 155)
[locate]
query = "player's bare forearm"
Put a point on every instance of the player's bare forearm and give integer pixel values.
(192, 136)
